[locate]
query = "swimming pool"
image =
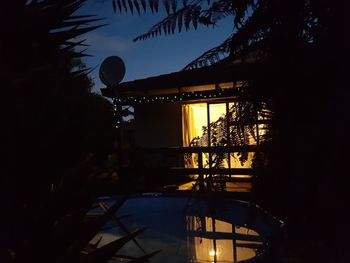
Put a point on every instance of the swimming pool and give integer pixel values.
(192, 228)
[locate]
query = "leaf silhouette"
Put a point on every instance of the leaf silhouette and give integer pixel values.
(124, 5)
(143, 3)
(166, 4)
(119, 5)
(131, 6)
(114, 6)
(137, 6)
(179, 21)
(174, 5)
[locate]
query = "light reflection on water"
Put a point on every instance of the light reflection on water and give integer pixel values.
(189, 229)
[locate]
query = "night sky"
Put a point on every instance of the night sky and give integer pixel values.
(148, 58)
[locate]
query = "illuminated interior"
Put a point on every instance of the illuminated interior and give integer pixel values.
(213, 240)
(195, 118)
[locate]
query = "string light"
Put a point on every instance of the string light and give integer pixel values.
(179, 97)
(131, 100)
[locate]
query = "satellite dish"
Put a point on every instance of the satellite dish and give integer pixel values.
(112, 71)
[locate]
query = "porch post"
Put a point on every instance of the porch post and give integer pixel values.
(200, 171)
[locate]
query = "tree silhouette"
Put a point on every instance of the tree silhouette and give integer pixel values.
(255, 23)
(46, 89)
(52, 124)
(192, 13)
(302, 47)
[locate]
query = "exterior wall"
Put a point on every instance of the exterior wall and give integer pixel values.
(158, 125)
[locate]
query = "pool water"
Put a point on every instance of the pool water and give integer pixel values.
(191, 228)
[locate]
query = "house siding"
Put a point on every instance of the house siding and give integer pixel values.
(158, 125)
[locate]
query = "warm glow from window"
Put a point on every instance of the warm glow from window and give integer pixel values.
(217, 110)
(195, 117)
(222, 247)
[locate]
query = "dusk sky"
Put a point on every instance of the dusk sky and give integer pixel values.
(147, 58)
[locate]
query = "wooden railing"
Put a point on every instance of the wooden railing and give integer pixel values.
(170, 162)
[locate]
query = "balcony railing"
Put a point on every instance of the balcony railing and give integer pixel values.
(170, 164)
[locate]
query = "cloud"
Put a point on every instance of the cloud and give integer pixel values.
(104, 43)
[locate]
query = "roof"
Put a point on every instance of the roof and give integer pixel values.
(224, 71)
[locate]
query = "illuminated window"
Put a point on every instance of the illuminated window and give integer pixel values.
(219, 124)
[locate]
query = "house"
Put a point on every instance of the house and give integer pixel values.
(200, 122)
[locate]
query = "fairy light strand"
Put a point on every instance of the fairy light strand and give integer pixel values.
(178, 97)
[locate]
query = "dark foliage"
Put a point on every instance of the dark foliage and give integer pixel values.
(51, 109)
(302, 172)
(53, 125)
(193, 13)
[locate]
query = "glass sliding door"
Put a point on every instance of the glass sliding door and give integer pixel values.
(221, 124)
(194, 123)
(218, 134)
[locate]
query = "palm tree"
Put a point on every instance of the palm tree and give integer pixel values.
(44, 85)
(52, 123)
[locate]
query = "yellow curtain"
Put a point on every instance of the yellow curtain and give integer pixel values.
(189, 132)
(194, 117)
(185, 125)
(188, 125)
